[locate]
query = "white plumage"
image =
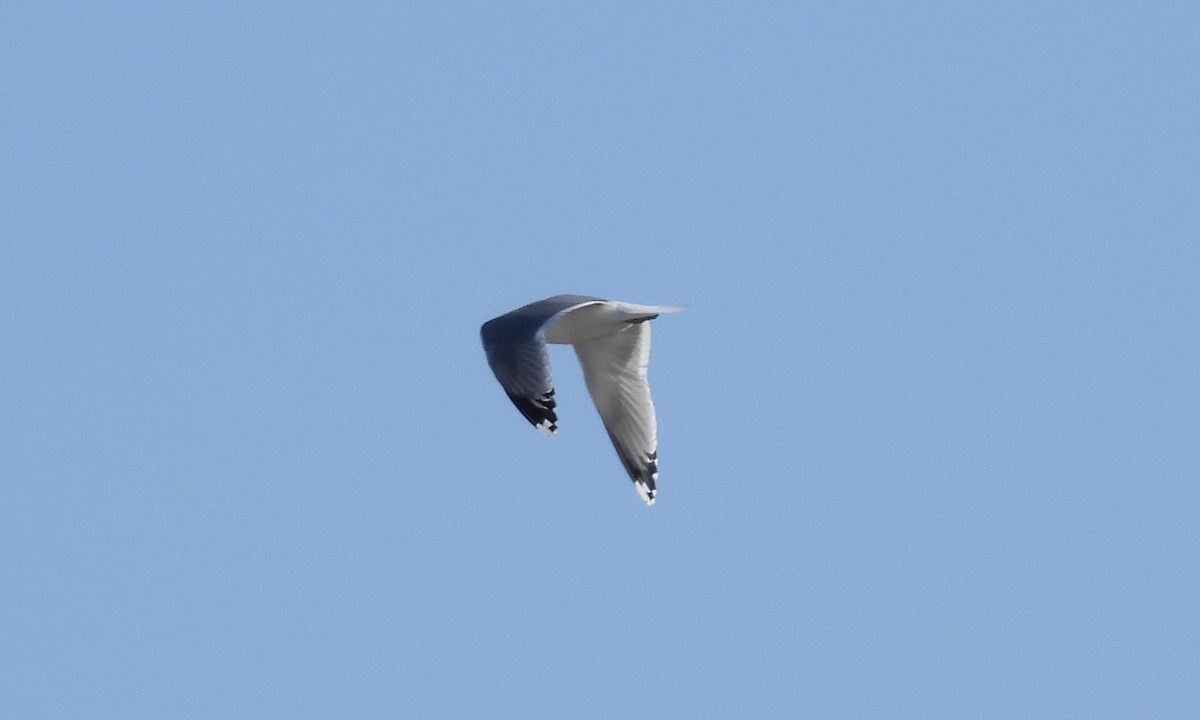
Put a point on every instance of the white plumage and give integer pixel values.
(612, 341)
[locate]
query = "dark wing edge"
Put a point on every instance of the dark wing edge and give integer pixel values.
(642, 468)
(539, 411)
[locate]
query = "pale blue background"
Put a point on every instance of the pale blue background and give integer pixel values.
(929, 426)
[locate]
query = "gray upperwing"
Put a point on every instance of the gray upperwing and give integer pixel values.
(516, 351)
(614, 368)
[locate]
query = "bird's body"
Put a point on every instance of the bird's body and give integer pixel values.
(612, 342)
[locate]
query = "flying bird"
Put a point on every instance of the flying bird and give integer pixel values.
(612, 341)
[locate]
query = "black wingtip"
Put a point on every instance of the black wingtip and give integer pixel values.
(647, 487)
(539, 411)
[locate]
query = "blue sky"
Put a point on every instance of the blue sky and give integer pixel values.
(928, 428)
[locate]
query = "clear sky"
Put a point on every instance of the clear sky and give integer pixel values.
(929, 428)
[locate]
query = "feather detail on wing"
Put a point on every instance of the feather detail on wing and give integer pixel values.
(614, 368)
(515, 345)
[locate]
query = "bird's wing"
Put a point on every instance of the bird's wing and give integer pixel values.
(614, 368)
(515, 345)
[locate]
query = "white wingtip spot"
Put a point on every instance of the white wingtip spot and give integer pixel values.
(546, 428)
(645, 491)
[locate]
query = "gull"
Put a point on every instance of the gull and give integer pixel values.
(612, 341)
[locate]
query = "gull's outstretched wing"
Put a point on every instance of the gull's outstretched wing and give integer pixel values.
(516, 351)
(614, 368)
